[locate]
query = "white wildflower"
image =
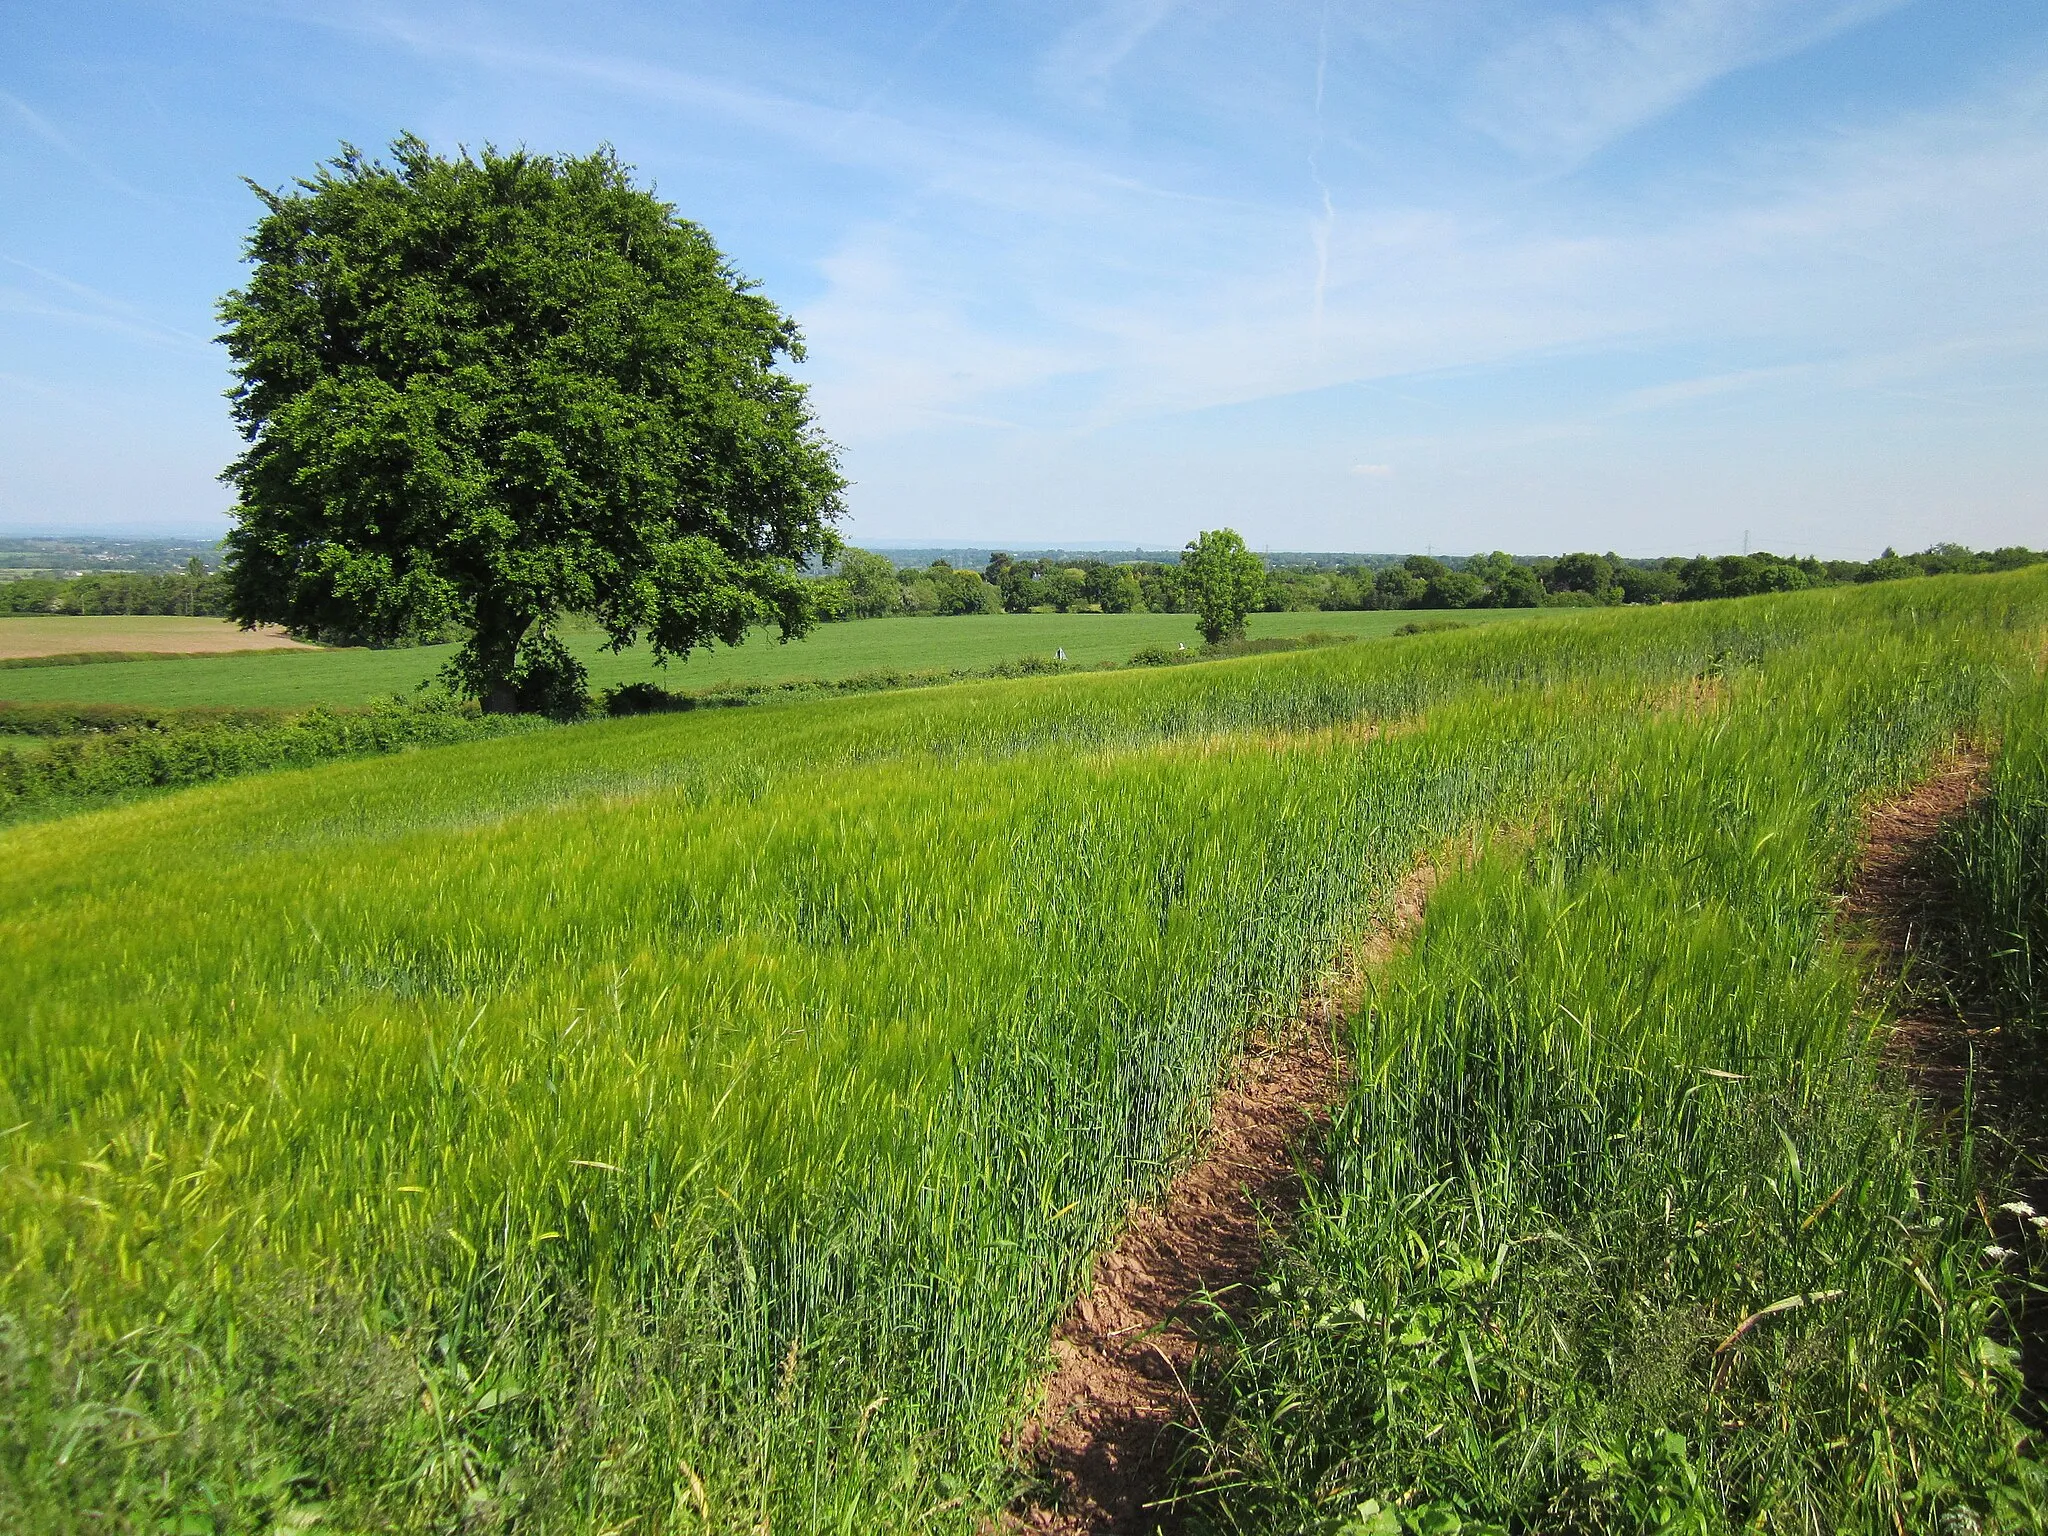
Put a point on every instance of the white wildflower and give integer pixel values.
(2040, 1223)
(2019, 1208)
(1997, 1254)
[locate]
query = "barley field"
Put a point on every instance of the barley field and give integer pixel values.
(698, 1123)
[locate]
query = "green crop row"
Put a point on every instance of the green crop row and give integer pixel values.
(700, 1121)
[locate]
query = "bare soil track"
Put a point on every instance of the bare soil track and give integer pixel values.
(1895, 901)
(1951, 1055)
(1102, 1440)
(1119, 1390)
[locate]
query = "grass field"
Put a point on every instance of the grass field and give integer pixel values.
(698, 1122)
(833, 651)
(24, 635)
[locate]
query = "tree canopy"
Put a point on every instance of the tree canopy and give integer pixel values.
(492, 390)
(1224, 581)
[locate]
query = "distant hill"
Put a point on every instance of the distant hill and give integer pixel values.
(81, 554)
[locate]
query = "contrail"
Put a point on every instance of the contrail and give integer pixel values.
(875, 96)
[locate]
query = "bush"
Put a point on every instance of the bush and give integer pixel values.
(1433, 626)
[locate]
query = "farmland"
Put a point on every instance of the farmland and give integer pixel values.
(351, 677)
(26, 636)
(700, 1122)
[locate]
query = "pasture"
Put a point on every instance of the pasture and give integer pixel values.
(832, 652)
(700, 1122)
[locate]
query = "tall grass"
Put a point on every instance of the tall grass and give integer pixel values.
(700, 1121)
(1625, 1228)
(1997, 866)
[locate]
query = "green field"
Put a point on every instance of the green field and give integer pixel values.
(300, 679)
(699, 1122)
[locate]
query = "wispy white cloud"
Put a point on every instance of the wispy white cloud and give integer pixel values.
(58, 140)
(103, 311)
(938, 30)
(1827, 252)
(1084, 57)
(895, 348)
(979, 160)
(1575, 82)
(1005, 288)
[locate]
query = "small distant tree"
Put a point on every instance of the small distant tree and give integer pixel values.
(1519, 588)
(1224, 582)
(1491, 569)
(963, 592)
(1581, 573)
(1117, 589)
(489, 391)
(1453, 589)
(1640, 584)
(1396, 587)
(871, 583)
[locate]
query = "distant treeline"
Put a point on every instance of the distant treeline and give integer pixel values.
(192, 591)
(867, 585)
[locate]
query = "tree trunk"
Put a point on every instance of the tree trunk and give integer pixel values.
(496, 646)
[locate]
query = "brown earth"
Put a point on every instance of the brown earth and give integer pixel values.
(74, 635)
(1894, 902)
(1101, 1441)
(1947, 1050)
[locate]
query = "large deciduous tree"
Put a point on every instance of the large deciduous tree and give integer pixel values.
(1224, 583)
(493, 390)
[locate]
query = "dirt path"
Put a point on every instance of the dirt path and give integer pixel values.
(1103, 1439)
(1946, 1049)
(1104, 1435)
(1894, 901)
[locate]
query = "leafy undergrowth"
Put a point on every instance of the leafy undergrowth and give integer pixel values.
(103, 658)
(699, 1122)
(72, 756)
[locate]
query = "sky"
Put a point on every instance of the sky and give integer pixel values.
(1655, 276)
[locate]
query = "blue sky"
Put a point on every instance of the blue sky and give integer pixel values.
(1649, 275)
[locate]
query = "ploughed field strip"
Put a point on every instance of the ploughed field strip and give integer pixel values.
(710, 1122)
(33, 638)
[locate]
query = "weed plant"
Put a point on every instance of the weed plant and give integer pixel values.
(699, 1121)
